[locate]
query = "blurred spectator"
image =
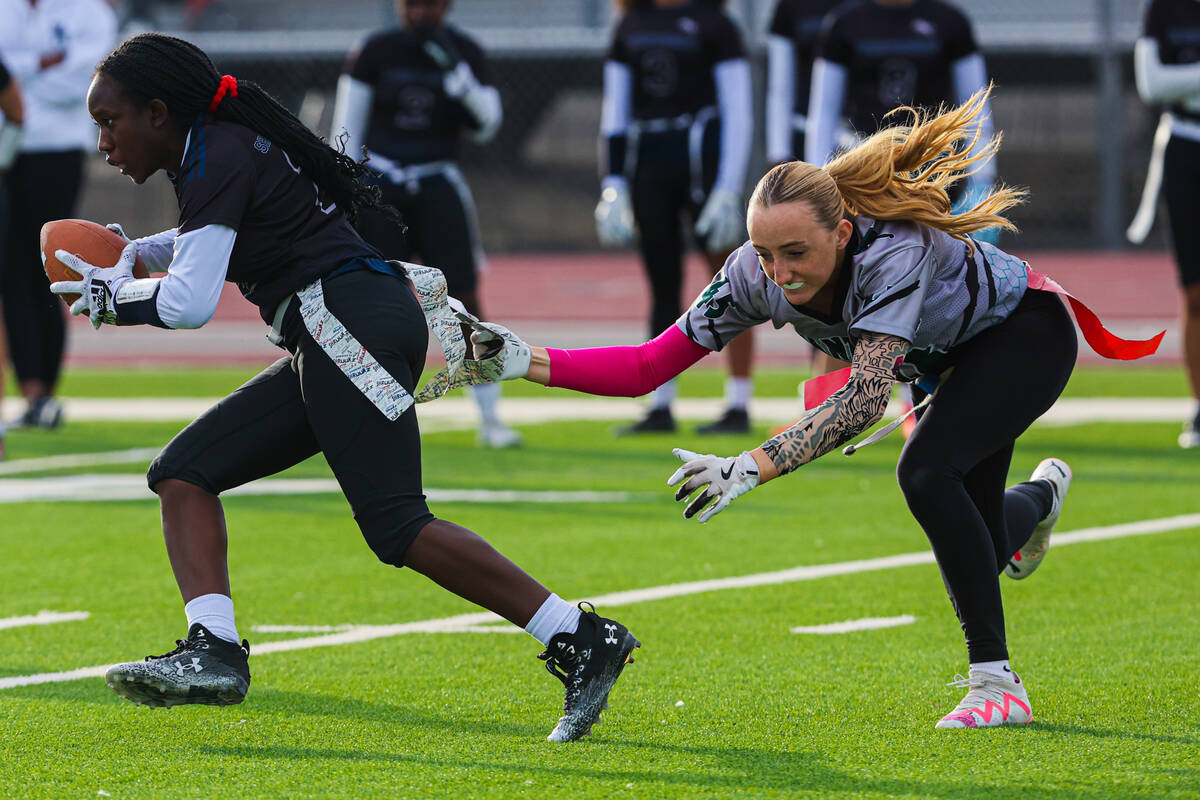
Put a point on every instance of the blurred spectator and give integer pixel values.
(51, 47)
(408, 95)
(1167, 67)
(791, 48)
(675, 138)
(12, 115)
(876, 55)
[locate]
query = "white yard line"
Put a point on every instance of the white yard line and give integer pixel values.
(634, 596)
(72, 460)
(102, 488)
(457, 413)
(43, 618)
(852, 625)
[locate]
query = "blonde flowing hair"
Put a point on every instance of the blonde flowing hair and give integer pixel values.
(902, 172)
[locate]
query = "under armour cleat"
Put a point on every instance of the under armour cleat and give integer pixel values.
(588, 662)
(498, 436)
(1055, 472)
(202, 668)
(991, 700)
(734, 420)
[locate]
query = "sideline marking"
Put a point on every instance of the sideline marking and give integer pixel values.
(851, 625)
(43, 618)
(368, 632)
(103, 488)
(78, 460)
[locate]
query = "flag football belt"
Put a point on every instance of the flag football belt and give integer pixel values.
(410, 176)
(1100, 339)
(355, 361)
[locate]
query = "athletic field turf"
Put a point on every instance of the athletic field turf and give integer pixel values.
(350, 699)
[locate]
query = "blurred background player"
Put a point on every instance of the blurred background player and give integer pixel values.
(408, 95)
(876, 55)
(791, 48)
(51, 48)
(12, 115)
(1167, 67)
(675, 135)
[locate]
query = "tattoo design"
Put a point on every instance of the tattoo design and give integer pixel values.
(848, 412)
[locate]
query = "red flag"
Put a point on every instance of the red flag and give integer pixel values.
(818, 390)
(1098, 337)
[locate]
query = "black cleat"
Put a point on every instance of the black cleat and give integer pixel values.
(588, 662)
(734, 420)
(202, 668)
(658, 420)
(41, 412)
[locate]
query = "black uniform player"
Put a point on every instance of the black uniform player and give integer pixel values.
(267, 204)
(676, 126)
(791, 48)
(1167, 65)
(12, 114)
(409, 95)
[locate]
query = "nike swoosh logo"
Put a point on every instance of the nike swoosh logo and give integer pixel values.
(726, 473)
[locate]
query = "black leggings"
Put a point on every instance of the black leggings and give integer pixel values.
(41, 187)
(304, 404)
(954, 467)
(1181, 186)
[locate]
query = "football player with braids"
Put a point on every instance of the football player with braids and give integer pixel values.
(1167, 67)
(409, 95)
(266, 204)
(675, 139)
(863, 258)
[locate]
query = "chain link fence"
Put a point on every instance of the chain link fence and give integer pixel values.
(1075, 131)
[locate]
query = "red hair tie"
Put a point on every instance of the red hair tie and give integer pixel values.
(228, 85)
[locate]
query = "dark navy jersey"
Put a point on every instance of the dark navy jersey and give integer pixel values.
(671, 52)
(895, 55)
(413, 120)
(287, 235)
(799, 21)
(1175, 25)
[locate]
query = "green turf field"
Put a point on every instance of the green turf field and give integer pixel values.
(723, 700)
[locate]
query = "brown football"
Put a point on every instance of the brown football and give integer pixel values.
(90, 241)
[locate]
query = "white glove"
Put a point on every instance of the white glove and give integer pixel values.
(97, 286)
(723, 479)
(459, 81)
(498, 355)
(10, 144)
(722, 221)
(116, 228)
(614, 214)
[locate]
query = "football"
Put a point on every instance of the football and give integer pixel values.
(90, 241)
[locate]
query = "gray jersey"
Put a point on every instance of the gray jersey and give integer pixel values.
(904, 279)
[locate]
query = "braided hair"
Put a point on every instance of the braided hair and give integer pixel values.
(154, 66)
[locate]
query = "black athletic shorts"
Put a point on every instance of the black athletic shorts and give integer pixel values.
(303, 404)
(1181, 184)
(442, 227)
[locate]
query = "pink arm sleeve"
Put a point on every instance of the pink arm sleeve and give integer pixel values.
(629, 371)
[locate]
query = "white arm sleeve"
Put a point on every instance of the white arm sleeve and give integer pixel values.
(351, 109)
(824, 107)
(157, 250)
(618, 99)
(781, 95)
(188, 295)
(1160, 83)
(969, 75)
(735, 99)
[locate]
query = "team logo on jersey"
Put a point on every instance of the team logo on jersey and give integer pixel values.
(923, 27)
(688, 25)
(262, 144)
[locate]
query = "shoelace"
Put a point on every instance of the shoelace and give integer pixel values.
(181, 646)
(559, 665)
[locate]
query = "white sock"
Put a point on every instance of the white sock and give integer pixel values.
(215, 612)
(1000, 668)
(737, 392)
(664, 394)
(487, 397)
(555, 616)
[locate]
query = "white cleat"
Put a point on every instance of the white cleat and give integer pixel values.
(1056, 472)
(1189, 438)
(498, 436)
(991, 701)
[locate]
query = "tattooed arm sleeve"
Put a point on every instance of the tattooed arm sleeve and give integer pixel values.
(848, 412)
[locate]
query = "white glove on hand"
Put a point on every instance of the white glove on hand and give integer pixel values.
(498, 355)
(723, 479)
(10, 144)
(614, 215)
(116, 228)
(722, 221)
(459, 81)
(97, 286)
